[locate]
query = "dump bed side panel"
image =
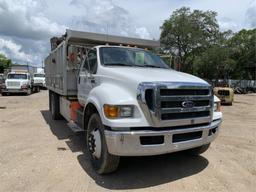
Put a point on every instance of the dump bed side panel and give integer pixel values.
(59, 78)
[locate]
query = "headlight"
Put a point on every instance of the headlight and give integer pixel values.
(118, 111)
(216, 107)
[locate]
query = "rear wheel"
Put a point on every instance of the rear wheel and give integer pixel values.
(101, 160)
(54, 105)
(198, 150)
(37, 89)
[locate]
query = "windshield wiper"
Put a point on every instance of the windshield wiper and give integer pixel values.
(118, 64)
(153, 66)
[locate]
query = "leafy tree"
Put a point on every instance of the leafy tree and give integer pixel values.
(186, 34)
(243, 46)
(4, 63)
(215, 63)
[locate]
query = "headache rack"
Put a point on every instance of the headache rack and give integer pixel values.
(93, 39)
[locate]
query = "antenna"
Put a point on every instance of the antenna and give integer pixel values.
(107, 31)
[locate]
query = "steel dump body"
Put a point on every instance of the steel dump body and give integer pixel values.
(61, 73)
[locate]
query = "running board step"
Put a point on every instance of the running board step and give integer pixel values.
(74, 127)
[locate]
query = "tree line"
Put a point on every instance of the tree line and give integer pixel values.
(5, 63)
(206, 51)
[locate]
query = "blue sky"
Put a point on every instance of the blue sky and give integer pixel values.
(27, 25)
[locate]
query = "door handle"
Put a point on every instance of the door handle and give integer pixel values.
(92, 80)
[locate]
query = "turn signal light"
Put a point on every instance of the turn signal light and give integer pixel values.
(111, 111)
(118, 111)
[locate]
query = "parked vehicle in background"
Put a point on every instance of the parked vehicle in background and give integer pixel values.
(2, 80)
(39, 80)
(225, 94)
(17, 82)
(126, 100)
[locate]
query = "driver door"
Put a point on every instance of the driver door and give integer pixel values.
(86, 76)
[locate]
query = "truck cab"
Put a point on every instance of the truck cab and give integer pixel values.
(127, 101)
(17, 82)
(39, 80)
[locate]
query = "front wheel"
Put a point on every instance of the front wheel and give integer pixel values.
(29, 91)
(101, 160)
(198, 150)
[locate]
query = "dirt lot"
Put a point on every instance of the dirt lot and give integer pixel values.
(38, 154)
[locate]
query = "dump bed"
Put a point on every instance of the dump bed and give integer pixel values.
(62, 64)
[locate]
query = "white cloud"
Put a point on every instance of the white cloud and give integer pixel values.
(251, 14)
(228, 24)
(142, 32)
(14, 51)
(24, 19)
(106, 17)
(27, 25)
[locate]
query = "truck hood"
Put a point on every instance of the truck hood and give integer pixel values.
(136, 75)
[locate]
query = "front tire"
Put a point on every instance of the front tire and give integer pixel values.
(198, 150)
(102, 161)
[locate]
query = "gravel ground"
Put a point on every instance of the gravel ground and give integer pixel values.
(38, 154)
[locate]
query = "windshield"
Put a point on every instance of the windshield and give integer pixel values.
(39, 75)
(116, 56)
(17, 76)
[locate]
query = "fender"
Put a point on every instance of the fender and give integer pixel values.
(112, 94)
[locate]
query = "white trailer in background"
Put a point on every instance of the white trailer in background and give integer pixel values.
(126, 100)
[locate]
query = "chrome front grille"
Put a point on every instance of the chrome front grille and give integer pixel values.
(13, 83)
(223, 92)
(172, 103)
(175, 104)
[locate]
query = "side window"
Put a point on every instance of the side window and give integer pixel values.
(92, 60)
(85, 66)
(90, 63)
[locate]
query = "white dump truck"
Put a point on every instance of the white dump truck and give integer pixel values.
(18, 82)
(39, 80)
(126, 100)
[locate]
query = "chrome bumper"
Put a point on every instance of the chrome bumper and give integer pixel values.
(14, 90)
(128, 143)
(40, 84)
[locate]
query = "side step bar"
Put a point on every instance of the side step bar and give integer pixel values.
(74, 127)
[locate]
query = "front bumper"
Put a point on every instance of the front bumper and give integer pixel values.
(40, 84)
(14, 90)
(128, 143)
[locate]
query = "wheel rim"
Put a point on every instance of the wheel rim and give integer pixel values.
(94, 143)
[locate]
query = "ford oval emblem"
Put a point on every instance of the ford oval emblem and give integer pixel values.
(188, 104)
